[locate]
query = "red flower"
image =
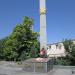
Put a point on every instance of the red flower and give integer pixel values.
(42, 51)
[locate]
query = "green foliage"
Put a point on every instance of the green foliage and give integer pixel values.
(69, 59)
(20, 42)
(2, 44)
(70, 51)
(62, 61)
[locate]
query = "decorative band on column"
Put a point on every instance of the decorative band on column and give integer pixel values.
(42, 11)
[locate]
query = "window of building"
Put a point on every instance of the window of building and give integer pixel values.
(56, 46)
(50, 47)
(59, 46)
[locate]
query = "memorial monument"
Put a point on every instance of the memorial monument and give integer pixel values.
(43, 35)
(41, 64)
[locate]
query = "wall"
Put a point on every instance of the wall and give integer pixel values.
(56, 50)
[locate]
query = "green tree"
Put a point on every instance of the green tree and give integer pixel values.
(69, 46)
(2, 41)
(20, 42)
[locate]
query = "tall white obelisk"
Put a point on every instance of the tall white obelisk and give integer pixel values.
(43, 33)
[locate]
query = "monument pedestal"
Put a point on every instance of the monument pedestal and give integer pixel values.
(41, 66)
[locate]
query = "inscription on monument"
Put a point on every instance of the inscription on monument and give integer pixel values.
(40, 66)
(27, 66)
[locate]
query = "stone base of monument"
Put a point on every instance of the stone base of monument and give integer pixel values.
(41, 65)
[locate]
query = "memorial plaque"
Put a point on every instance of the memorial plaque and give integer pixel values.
(40, 67)
(29, 67)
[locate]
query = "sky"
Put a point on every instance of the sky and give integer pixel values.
(60, 17)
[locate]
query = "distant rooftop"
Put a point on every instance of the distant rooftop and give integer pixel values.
(59, 42)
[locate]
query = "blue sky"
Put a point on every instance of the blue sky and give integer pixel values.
(60, 17)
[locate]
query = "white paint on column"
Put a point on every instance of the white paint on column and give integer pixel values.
(43, 35)
(42, 4)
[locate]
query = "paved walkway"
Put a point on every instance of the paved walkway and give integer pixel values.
(10, 69)
(19, 71)
(53, 72)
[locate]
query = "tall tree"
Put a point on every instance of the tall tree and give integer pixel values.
(2, 44)
(21, 42)
(69, 46)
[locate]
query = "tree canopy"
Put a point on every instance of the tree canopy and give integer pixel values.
(69, 46)
(22, 43)
(69, 59)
